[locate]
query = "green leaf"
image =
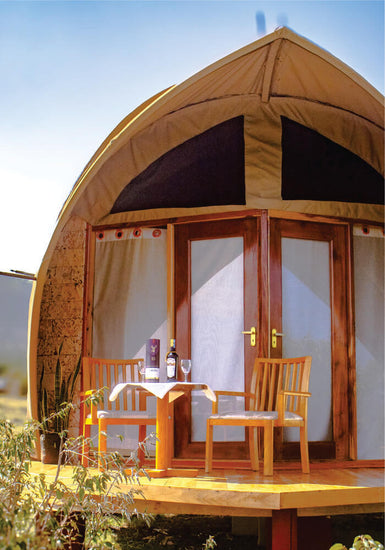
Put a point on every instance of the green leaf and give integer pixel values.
(74, 378)
(58, 376)
(41, 381)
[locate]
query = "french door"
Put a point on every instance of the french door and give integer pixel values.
(310, 315)
(216, 299)
(241, 275)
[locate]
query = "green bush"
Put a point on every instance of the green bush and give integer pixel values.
(361, 542)
(37, 511)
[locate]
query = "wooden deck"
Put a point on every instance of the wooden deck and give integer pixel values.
(328, 490)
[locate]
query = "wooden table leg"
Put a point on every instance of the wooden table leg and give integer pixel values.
(162, 427)
(284, 530)
(163, 444)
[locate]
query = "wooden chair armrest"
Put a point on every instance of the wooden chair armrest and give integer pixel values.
(230, 393)
(281, 403)
(299, 393)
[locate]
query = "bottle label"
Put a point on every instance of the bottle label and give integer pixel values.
(171, 367)
(152, 352)
(152, 374)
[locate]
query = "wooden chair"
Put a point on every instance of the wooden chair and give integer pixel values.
(278, 397)
(106, 373)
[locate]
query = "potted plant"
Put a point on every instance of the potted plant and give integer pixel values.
(54, 410)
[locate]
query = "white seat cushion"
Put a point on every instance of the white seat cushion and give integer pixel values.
(124, 414)
(260, 415)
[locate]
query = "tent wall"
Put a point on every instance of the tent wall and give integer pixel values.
(368, 247)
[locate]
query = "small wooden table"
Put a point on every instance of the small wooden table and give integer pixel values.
(166, 393)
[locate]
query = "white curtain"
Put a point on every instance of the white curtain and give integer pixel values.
(130, 292)
(368, 243)
(130, 300)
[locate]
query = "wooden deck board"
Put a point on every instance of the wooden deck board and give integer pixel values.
(327, 488)
(245, 493)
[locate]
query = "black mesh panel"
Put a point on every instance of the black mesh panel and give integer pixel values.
(205, 170)
(316, 168)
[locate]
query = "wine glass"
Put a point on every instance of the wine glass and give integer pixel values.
(185, 365)
(142, 370)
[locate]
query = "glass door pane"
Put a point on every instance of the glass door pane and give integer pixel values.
(306, 325)
(217, 342)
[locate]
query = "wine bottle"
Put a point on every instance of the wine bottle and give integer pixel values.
(172, 361)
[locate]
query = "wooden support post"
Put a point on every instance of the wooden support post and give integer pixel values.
(284, 530)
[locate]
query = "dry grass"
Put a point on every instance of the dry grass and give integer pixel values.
(13, 408)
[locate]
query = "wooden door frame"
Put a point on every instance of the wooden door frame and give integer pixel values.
(255, 313)
(343, 367)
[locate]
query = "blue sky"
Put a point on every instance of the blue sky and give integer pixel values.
(71, 70)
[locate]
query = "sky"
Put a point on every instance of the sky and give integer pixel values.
(71, 70)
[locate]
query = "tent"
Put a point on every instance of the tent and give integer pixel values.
(248, 176)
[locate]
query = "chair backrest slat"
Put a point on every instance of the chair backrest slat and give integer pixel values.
(287, 376)
(100, 383)
(272, 390)
(280, 381)
(98, 373)
(253, 389)
(264, 386)
(113, 377)
(270, 376)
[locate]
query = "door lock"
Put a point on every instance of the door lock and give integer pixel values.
(274, 335)
(252, 333)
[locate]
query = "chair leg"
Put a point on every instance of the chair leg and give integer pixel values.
(102, 441)
(304, 449)
(253, 448)
(209, 446)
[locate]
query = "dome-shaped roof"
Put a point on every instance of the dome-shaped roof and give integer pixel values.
(281, 77)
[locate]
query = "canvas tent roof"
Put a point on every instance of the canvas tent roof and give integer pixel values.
(281, 83)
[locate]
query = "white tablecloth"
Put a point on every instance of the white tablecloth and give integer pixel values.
(160, 389)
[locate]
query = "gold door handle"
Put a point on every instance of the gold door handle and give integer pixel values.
(252, 333)
(274, 335)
